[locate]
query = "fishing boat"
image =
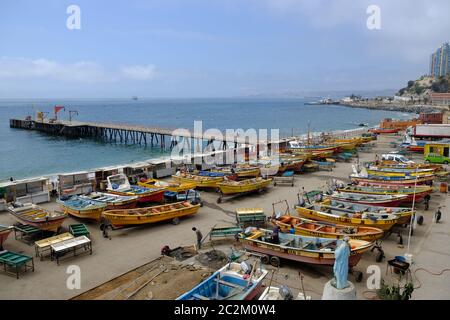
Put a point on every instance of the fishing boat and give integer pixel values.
(113, 201)
(234, 281)
(399, 172)
(297, 146)
(172, 186)
(241, 171)
(287, 164)
(199, 181)
(310, 250)
(403, 214)
(384, 131)
(119, 184)
(84, 208)
(311, 228)
(129, 217)
(363, 178)
(4, 233)
(319, 212)
(413, 194)
(410, 166)
(388, 200)
(244, 186)
(36, 216)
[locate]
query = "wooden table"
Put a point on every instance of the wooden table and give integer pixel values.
(70, 246)
(43, 247)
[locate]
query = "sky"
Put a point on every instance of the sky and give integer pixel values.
(214, 48)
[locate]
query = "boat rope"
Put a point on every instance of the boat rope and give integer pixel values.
(430, 272)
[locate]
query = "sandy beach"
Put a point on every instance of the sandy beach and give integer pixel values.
(130, 248)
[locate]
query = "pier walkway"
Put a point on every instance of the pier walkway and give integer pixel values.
(126, 133)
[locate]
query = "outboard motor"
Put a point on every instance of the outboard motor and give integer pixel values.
(286, 293)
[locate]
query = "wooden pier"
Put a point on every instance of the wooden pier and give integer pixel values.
(130, 134)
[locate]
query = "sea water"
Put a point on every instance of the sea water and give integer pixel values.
(28, 153)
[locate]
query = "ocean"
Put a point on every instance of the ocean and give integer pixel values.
(25, 154)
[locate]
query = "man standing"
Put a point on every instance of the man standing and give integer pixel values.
(199, 237)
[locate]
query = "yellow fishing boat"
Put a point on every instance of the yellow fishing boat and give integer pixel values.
(129, 217)
(199, 181)
(243, 186)
(313, 228)
(173, 186)
(323, 213)
(240, 171)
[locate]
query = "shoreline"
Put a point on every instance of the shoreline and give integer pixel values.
(393, 106)
(169, 159)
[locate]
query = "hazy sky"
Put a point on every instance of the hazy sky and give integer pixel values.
(210, 48)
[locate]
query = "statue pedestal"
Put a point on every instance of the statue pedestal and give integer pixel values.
(331, 293)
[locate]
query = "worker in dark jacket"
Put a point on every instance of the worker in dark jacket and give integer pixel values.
(275, 235)
(199, 237)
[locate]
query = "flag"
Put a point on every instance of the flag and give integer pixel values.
(58, 108)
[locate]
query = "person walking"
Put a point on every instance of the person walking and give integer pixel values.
(199, 237)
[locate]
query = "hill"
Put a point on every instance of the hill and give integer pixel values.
(423, 86)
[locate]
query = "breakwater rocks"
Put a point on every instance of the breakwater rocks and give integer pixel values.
(393, 106)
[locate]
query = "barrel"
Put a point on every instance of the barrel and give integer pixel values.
(444, 187)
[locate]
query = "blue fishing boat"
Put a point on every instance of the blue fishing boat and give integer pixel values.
(234, 281)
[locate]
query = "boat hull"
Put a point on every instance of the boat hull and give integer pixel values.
(296, 255)
(91, 214)
(229, 189)
(4, 233)
(52, 225)
(384, 225)
(363, 233)
(129, 217)
(419, 197)
(379, 182)
(154, 196)
(200, 182)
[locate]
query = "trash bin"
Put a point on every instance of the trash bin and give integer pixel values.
(444, 187)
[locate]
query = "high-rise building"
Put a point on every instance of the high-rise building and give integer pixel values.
(440, 61)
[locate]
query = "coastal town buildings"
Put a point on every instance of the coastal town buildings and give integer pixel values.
(440, 61)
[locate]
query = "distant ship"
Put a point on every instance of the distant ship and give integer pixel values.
(134, 97)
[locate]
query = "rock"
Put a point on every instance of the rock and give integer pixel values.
(149, 296)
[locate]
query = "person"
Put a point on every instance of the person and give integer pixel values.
(340, 267)
(199, 237)
(11, 179)
(427, 201)
(275, 234)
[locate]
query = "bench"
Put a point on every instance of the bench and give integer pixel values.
(16, 261)
(79, 229)
(26, 233)
(43, 247)
(224, 232)
(71, 246)
(228, 284)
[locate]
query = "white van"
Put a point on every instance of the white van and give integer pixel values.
(396, 158)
